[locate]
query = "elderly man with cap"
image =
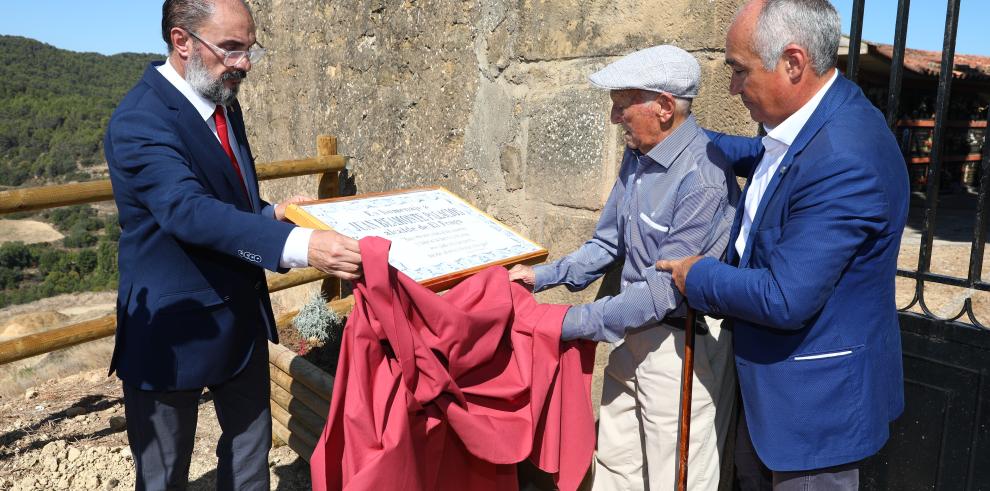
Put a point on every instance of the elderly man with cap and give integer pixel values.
(674, 196)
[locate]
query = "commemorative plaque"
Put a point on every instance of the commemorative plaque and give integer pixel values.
(438, 239)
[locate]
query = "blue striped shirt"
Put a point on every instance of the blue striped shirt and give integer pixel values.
(678, 200)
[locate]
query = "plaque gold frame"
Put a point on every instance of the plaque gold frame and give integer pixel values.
(298, 215)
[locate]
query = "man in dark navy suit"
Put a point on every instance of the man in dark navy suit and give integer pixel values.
(193, 309)
(808, 280)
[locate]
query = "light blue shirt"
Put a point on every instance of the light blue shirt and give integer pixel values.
(678, 200)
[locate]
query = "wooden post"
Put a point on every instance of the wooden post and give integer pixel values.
(296, 429)
(687, 381)
(300, 410)
(300, 392)
(300, 370)
(297, 444)
(329, 187)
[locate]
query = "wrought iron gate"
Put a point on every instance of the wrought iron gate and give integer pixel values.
(942, 441)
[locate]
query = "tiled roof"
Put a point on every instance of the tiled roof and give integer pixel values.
(971, 67)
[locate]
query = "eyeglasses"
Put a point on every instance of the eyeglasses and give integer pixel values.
(233, 58)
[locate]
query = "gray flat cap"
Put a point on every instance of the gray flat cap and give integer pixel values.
(659, 69)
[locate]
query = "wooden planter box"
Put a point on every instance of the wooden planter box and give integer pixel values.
(301, 391)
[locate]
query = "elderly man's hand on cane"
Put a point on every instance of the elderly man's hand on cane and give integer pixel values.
(679, 269)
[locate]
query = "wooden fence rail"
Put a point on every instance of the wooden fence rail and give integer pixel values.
(71, 335)
(39, 198)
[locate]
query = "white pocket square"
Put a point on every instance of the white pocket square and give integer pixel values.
(653, 224)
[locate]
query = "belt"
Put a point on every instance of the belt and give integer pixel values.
(680, 322)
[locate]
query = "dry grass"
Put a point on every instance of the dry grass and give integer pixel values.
(27, 231)
(20, 320)
(17, 377)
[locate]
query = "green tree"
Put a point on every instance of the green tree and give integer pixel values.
(79, 239)
(9, 277)
(106, 260)
(16, 255)
(54, 106)
(86, 261)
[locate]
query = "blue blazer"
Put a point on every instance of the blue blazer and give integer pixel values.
(192, 299)
(817, 342)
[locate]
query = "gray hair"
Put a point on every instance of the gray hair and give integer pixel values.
(812, 24)
(682, 105)
(187, 14)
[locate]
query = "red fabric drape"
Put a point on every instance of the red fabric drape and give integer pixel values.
(450, 392)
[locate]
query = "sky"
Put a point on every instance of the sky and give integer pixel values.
(115, 26)
(926, 23)
(103, 26)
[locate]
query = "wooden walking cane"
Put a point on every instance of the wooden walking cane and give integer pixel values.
(687, 381)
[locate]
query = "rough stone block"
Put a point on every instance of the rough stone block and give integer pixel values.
(564, 29)
(512, 170)
(715, 108)
(564, 232)
(561, 233)
(564, 155)
(570, 28)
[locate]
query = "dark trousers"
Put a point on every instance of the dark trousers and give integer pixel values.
(753, 475)
(161, 430)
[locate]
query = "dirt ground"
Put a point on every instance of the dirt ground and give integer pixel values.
(56, 411)
(27, 231)
(954, 226)
(65, 434)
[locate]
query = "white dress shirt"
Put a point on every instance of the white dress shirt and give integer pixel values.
(777, 141)
(295, 252)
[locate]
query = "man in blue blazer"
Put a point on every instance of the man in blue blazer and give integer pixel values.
(193, 309)
(808, 280)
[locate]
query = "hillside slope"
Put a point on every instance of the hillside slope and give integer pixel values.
(54, 106)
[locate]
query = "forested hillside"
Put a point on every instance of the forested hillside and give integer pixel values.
(54, 106)
(85, 260)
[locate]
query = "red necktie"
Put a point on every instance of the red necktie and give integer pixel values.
(221, 120)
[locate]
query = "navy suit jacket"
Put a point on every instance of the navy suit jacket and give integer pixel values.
(192, 299)
(817, 341)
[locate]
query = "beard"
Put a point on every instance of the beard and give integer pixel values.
(209, 87)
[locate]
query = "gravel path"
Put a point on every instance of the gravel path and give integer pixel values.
(67, 434)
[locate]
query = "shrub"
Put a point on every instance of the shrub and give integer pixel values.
(80, 239)
(315, 320)
(17, 255)
(76, 218)
(9, 278)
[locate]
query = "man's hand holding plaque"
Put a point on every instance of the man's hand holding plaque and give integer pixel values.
(336, 254)
(281, 207)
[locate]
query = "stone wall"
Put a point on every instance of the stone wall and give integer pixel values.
(487, 98)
